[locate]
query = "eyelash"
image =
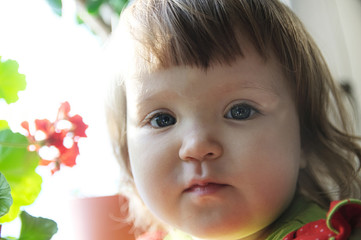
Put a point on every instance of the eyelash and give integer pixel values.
(153, 119)
(250, 112)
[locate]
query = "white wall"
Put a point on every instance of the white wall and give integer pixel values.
(350, 18)
(336, 27)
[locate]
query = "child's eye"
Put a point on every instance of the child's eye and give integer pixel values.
(240, 112)
(161, 120)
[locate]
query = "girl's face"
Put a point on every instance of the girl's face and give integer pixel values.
(215, 153)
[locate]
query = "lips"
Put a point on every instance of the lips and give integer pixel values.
(205, 188)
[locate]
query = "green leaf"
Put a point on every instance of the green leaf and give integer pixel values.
(79, 20)
(56, 6)
(3, 125)
(24, 192)
(5, 197)
(93, 6)
(118, 5)
(18, 166)
(36, 228)
(12, 214)
(11, 81)
(15, 159)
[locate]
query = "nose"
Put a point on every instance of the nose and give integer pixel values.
(200, 145)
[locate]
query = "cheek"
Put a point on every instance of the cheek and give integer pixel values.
(152, 166)
(279, 142)
(269, 178)
(283, 156)
(144, 161)
(269, 159)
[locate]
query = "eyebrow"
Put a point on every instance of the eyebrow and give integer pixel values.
(264, 90)
(147, 99)
(246, 84)
(270, 94)
(162, 94)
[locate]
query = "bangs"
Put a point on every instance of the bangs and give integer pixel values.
(193, 33)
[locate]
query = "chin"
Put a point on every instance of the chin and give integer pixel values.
(227, 233)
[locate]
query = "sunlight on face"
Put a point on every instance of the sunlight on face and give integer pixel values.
(215, 153)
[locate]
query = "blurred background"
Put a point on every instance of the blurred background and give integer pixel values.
(336, 27)
(61, 58)
(58, 45)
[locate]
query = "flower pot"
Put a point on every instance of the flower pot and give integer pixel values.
(100, 218)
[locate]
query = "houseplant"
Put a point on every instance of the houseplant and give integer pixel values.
(21, 154)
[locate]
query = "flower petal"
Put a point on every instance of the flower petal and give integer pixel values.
(78, 125)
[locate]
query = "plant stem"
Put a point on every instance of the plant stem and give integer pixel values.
(14, 145)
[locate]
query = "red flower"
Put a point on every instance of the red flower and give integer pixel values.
(56, 138)
(69, 156)
(79, 125)
(43, 125)
(64, 110)
(58, 135)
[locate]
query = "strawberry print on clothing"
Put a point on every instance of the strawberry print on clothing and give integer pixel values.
(342, 218)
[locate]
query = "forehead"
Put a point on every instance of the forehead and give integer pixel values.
(250, 57)
(251, 71)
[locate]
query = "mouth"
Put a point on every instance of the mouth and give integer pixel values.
(205, 188)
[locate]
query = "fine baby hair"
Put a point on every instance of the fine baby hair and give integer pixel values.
(157, 35)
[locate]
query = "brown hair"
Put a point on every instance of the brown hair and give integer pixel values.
(199, 33)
